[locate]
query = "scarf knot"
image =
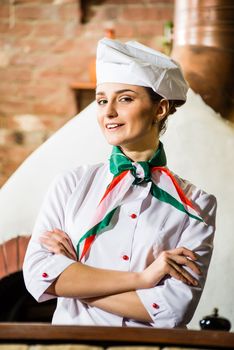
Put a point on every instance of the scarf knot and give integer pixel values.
(140, 170)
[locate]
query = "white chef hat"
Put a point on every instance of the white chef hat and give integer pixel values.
(136, 64)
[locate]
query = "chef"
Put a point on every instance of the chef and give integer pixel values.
(126, 242)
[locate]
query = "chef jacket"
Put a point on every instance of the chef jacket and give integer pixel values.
(141, 228)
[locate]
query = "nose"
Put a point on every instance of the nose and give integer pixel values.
(110, 110)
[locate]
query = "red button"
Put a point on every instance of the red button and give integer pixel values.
(133, 216)
(125, 257)
(156, 306)
(44, 275)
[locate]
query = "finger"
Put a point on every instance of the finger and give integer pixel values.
(70, 252)
(177, 275)
(61, 238)
(63, 234)
(65, 248)
(64, 237)
(182, 260)
(183, 251)
(184, 273)
(56, 246)
(46, 243)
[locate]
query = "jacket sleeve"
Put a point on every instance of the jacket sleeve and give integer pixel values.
(173, 303)
(40, 267)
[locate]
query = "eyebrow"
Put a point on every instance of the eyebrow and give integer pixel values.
(116, 92)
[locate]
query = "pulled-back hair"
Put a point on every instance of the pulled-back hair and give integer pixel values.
(173, 105)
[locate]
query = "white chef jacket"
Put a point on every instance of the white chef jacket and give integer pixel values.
(141, 226)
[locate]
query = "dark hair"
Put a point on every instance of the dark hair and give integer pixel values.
(173, 104)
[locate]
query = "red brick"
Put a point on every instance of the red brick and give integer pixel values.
(5, 137)
(111, 12)
(20, 29)
(65, 45)
(13, 107)
(3, 267)
(3, 179)
(76, 62)
(18, 154)
(125, 30)
(3, 122)
(69, 12)
(144, 13)
(121, 2)
(32, 2)
(153, 28)
(4, 27)
(37, 12)
(27, 59)
(163, 2)
(34, 44)
(58, 108)
(103, 13)
(4, 11)
(13, 74)
(22, 246)
(49, 29)
(39, 90)
(11, 251)
(13, 91)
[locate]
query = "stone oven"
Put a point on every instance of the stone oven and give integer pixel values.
(16, 304)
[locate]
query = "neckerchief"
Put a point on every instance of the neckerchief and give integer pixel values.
(126, 174)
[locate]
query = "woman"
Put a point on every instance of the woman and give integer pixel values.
(126, 242)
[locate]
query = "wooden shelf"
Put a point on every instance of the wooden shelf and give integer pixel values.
(109, 336)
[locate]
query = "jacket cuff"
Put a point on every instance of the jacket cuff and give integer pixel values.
(157, 309)
(46, 275)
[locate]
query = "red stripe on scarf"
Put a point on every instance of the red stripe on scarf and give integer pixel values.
(113, 183)
(179, 190)
(88, 243)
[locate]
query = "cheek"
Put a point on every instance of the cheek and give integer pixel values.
(144, 121)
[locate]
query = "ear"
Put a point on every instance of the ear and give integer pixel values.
(162, 110)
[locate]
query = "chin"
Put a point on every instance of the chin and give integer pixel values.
(113, 141)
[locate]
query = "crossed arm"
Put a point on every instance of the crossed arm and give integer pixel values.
(115, 291)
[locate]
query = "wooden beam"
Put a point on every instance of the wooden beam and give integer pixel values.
(109, 336)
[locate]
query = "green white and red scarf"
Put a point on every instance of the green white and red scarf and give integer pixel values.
(124, 176)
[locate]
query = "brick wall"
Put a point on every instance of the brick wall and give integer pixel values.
(45, 45)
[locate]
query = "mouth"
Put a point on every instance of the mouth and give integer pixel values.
(113, 126)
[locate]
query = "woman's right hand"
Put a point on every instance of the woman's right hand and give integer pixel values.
(172, 263)
(58, 242)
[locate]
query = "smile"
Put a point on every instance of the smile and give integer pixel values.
(111, 126)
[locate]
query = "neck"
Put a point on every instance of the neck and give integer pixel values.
(140, 153)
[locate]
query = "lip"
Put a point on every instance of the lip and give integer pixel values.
(113, 126)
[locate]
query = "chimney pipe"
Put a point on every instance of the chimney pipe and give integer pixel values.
(203, 44)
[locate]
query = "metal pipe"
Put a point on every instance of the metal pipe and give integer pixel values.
(203, 43)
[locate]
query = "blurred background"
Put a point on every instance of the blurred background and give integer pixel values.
(47, 76)
(47, 50)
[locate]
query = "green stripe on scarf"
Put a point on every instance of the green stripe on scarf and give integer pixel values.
(96, 229)
(167, 198)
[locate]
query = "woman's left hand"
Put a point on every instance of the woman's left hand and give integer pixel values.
(58, 242)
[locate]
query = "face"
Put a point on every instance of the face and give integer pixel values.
(126, 115)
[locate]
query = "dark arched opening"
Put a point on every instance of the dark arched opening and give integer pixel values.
(17, 305)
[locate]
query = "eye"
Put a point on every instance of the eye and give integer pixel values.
(101, 101)
(125, 99)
